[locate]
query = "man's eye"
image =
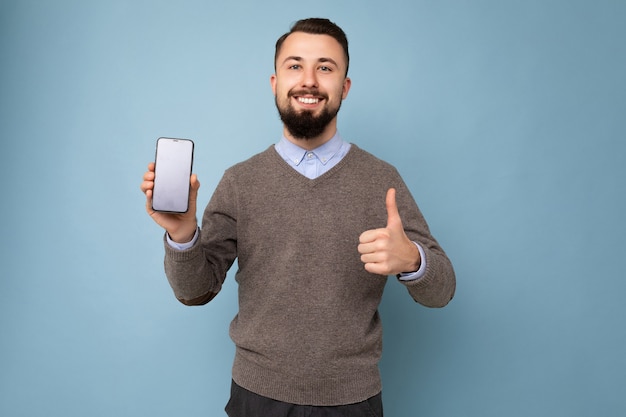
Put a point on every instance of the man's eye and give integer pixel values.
(294, 66)
(325, 68)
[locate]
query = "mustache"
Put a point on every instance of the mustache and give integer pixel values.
(312, 92)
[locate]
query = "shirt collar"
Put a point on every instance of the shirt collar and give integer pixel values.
(294, 154)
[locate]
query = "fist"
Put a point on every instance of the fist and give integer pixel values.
(388, 250)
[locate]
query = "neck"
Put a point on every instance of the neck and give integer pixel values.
(312, 143)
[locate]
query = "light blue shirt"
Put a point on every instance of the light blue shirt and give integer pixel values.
(312, 164)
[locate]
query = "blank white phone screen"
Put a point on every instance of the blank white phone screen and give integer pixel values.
(173, 164)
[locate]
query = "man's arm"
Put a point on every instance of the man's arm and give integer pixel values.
(391, 251)
(188, 271)
(196, 274)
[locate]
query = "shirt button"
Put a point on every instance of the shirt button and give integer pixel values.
(309, 155)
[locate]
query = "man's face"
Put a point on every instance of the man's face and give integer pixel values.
(309, 84)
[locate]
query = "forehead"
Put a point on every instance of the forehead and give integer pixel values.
(311, 47)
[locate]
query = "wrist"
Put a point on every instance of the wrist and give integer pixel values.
(416, 257)
(183, 236)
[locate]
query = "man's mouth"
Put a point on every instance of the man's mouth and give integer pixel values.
(308, 97)
(308, 100)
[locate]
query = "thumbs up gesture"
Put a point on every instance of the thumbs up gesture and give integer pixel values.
(388, 251)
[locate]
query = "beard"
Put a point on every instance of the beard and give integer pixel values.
(303, 124)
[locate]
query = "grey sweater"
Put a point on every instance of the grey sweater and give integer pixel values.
(308, 329)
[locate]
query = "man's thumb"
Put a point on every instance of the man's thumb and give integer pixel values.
(393, 217)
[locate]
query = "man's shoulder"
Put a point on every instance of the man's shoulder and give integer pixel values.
(367, 159)
(256, 161)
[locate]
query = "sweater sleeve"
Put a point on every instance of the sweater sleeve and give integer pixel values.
(196, 274)
(437, 286)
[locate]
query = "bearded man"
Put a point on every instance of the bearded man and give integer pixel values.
(317, 225)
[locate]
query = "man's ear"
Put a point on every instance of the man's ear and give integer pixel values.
(273, 83)
(347, 83)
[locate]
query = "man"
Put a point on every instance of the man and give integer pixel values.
(317, 225)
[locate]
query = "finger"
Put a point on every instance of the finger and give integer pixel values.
(367, 236)
(393, 216)
(376, 268)
(366, 248)
(372, 235)
(149, 202)
(195, 184)
(148, 176)
(146, 186)
(374, 257)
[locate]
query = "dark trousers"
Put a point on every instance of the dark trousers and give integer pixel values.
(244, 403)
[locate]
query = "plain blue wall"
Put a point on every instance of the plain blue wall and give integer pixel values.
(506, 118)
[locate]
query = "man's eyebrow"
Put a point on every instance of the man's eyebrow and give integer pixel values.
(292, 58)
(299, 58)
(332, 61)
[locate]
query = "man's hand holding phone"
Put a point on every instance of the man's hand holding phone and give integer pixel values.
(181, 227)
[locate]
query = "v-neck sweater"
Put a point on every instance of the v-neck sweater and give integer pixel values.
(308, 329)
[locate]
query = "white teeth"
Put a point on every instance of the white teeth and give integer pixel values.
(308, 100)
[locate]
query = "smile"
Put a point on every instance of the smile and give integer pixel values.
(308, 100)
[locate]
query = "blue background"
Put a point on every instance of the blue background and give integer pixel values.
(507, 120)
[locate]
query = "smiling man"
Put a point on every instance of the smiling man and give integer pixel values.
(310, 83)
(317, 225)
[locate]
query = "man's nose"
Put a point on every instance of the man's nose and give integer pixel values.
(309, 78)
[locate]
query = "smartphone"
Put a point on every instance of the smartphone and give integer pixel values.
(173, 164)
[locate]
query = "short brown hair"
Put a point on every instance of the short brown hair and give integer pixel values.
(316, 26)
